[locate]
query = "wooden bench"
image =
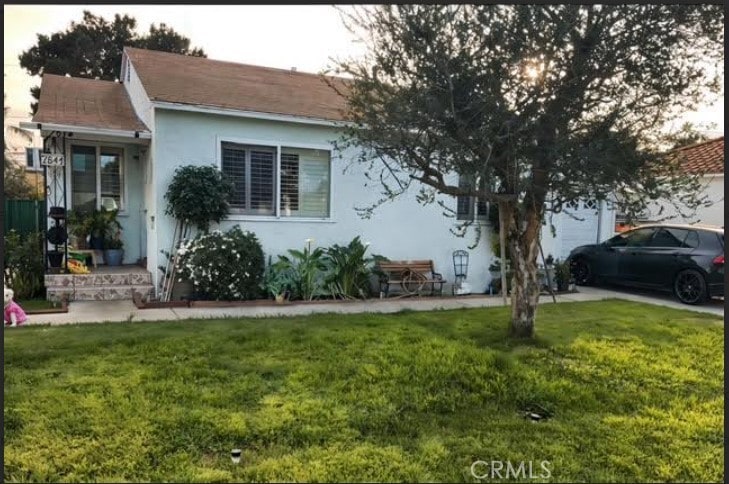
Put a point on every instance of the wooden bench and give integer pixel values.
(411, 275)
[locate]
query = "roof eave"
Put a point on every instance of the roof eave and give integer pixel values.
(93, 130)
(289, 118)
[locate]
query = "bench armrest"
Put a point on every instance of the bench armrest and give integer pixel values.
(438, 275)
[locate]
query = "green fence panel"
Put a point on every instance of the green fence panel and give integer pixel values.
(24, 216)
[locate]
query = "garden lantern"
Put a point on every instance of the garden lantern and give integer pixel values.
(460, 268)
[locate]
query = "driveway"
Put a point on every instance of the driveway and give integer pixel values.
(713, 306)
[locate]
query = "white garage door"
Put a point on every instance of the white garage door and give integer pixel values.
(573, 232)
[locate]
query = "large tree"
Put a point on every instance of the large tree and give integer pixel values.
(533, 106)
(15, 183)
(93, 48)
(689, 134)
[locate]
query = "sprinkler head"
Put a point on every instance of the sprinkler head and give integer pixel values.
(235, 456)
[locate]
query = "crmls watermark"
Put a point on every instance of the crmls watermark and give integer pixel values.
(498, 469)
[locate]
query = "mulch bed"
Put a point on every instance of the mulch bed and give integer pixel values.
(62, 309)
(141, 304)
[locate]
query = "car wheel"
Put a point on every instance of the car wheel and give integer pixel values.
(690, 287)
(582, 272)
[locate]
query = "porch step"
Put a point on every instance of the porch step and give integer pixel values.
(99, 286)
(76, 280)
(98, 293)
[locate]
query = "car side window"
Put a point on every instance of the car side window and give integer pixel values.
(617, 241)
(668, 237)
(639, 237)
(692, 240)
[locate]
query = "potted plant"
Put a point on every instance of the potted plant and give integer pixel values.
(495, 269)
(98, 226)
(562, 275)
(113, 244)
(113, 250)
(79, 225)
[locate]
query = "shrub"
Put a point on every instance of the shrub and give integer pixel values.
(276, 280)
(223, 266)
(349, 269)
(24, 266)
(305, 269)
(563, 274)
(198, 195)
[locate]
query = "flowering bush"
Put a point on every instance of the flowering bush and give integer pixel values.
(223, 266)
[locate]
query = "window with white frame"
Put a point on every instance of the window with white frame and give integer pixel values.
(97, 178)
(470, 208)
(300, 185)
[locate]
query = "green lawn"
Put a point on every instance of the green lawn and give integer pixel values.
(635, 393)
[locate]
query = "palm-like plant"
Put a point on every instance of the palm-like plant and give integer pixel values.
(305, 268)
(349, 269)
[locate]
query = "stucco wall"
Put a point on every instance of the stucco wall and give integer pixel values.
(402, 229)
(578, 227)
(714, 214)
(137, 95)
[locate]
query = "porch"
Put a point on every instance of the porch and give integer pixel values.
(104, 283)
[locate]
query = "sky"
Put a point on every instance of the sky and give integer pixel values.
(283, 36)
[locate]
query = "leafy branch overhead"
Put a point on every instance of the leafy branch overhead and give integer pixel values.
(527, 106)
(93, 48)
(563, 100)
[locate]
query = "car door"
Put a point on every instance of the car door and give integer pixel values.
(606, 258)
(660, 258)
(631, 255)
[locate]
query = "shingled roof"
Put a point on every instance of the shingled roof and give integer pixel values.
(76, 101)
(705, 157)
(199, 81)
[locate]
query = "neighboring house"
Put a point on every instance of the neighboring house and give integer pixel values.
(22, 149)
(706, 158)
(272, 132)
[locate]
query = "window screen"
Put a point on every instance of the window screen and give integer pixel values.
(251, 169)
(289, 184)
(304, 182)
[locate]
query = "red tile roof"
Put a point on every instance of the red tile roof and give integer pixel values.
(705, 157)
(76, 101)
(199, 81)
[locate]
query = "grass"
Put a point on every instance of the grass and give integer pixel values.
(635, 393)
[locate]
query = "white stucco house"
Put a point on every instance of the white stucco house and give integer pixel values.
(706, 158)
(272, 131)
(21, 149)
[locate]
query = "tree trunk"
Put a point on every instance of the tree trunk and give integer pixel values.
(525, 287)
